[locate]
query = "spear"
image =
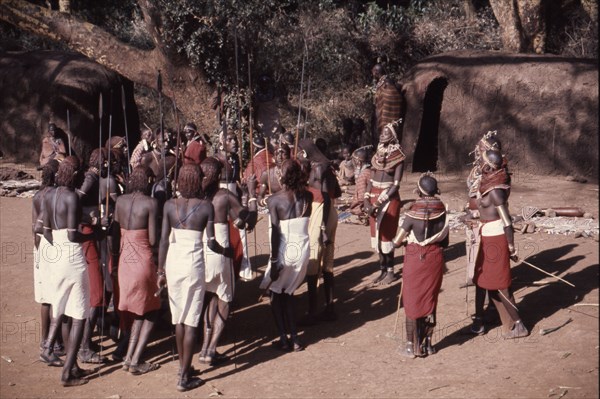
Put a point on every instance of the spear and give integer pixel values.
(300, 100)
(178, 127)
(109, 151)
(306, 113)
(237, 79)
(100, 149)
(69, 130)
(250, 116)
(547, 273)
(126, 129)
(162, 128)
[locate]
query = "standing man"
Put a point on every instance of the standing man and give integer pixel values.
(69, 280)
(362, 176)
(426, 227)
(289, 212)
(195, 149)
(389, 103)
(143, 147)
(54, 144)
(135, 233)
(181, 264)
(382, 200)
(324, 187)
(270, 180)
(220, 279)
(497, 246)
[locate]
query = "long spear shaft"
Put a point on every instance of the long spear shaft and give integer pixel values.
(69, 130)
(306, 113)
(162, 128)
(177, 152)
(237, 79)
(100, 155)
(250, 117)
(123, 103)
(300, 101)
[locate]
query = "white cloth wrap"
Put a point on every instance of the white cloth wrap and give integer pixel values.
(68, 278)
(219, 269)
(246, 267)
(185, 276)
(294, 254)
(41, 273)
(491, 229)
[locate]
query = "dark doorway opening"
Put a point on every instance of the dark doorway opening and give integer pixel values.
(426, 152)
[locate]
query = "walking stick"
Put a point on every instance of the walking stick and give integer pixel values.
(123, 102)
(548, 273)
(252, 137)
(69, 130)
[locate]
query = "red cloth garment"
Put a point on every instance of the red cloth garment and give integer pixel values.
(92, 258)
(317, 194)
(359, 194)
(195, 152)
(492, 269)
(137, 274)
(260, 164)
(235, 240)
(422, 279)
(389, 221)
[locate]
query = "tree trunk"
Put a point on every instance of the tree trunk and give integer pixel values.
(522, 24)
(470, 11)
(186, 85)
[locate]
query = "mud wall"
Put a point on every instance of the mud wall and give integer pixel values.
(544, 107)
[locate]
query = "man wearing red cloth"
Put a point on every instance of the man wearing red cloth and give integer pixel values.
(426, 228)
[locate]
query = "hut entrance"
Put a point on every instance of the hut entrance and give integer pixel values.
(426, 152)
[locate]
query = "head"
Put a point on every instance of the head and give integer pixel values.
(140, 180)
(321, 145)
(99, 160)
(388, 134)
(189, 182)
(118, 143)
(359, 157)
(228, 143)
(146, 134)
(292, 176)
(282, 153)
(49, 172)
(489, 141)
(288, 138)
(190, 130)
(377, 71)
(52, 128)
(264, 81)
(427, 186)
(211, 169)
(346, 152)
(309, 150)
(258, 142)
(116, 157)
(66, 176)
(492, 160)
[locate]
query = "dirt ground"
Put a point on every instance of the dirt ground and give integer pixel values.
(356, 356)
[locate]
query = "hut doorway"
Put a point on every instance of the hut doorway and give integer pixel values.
(426, 152)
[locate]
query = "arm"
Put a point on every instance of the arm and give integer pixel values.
(210, 236)
(163, 247)
(403, 232)
(46, 223)
(326, 205)
(394, 188)
(499, 200)
(367, 199)
(264, 186)
(275, 239)
(73, 212)
(37, 225)
(115, 245)
(152, 221)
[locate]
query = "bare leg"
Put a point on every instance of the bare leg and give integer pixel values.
(382, 269)
(507, 308)
(329, 313)
(411, 338)
(218, 326)
(311, 285)
(45, 319)
(389, 277)
(179, 335)
(478, 325)
(47, 356)
(86, 354)
(137, 367)
(134, 335)
(290, 312)
(75, 338)
(189, 338)
(209, 316)
(277, 308)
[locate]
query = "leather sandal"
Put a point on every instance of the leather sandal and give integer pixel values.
(185, 384)
(143, 368)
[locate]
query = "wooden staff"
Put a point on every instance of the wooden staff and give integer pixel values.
(267, 156)
(547, 273)
(300, 101)
(239, 108)
(177, 152)
(100, 155)
(126, 129)
(250, 117)
(398, 309)
(69, 130)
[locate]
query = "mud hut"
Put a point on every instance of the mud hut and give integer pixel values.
(40, 86)
(544, 107)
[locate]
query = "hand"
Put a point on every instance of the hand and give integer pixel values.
(105, 221)
(373, 211)
(399, 244)
(274, 272)
(324, 238)
(161, 282)
(513, 253)
(228, 252)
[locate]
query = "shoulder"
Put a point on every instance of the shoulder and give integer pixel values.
(498, 196)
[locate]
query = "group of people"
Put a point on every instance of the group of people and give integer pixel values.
(170, 217)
